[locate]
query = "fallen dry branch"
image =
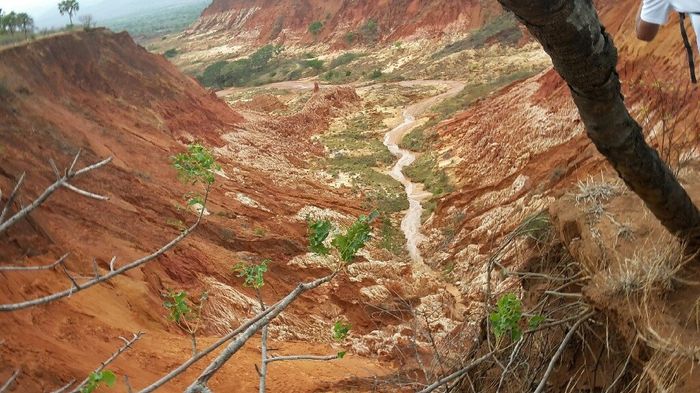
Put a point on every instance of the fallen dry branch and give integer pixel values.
(543, 382)
(457, 374)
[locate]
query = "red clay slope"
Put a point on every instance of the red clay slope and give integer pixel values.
(265, 20)
(102, 93)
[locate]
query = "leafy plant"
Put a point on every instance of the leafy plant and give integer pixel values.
(315, 27)
(196, 165)
(253, 275)
(170, 53)
(96, 379)
(341, 330)
(318, 233)
(535, 322)
(359, 233)
(507, 316)
(177, 305)
(341, 354)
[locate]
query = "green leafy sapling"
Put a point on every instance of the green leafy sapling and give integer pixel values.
(340, 332)
(318, 232)
(104, 377)
(253, 275)
(177, 305)
(187, 316)
(196, 165)
(506, 320)
(359, 233)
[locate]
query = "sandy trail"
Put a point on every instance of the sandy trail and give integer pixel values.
(411, 223)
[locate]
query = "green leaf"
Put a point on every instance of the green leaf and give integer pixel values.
(196, 165)
(507, 317)
(177, 306)
(253, 275)
(340, 330)
(535, 321)
(341, 354)
(318, 233)
(359, 233)
(109, 378)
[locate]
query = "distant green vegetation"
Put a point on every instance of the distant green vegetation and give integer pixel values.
(355, 152)
(157, 22)
(242, 71)
(315, 28)
(170, 53)
(344, 59)
(503, 29)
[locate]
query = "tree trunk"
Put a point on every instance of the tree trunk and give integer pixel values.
(585, 56)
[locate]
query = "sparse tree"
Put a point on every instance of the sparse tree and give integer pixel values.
(585, 56)
(70, 7)
(26, 23)
(9, 22)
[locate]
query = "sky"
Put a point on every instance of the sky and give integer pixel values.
(45, 12)
(34, 6)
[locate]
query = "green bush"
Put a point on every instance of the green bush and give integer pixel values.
(351, 37)
(170, 53)
(370, 30)
(345, 58)
(315, 28)
(376, 74)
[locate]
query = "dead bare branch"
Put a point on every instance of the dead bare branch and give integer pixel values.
(11, 198)
(543, 382)
(457, 374)
(79, 287)
(200, 384)
(34, 268)
(61, 182)
(300, 357)
(64, 387)
(10, 381)
(127, 344)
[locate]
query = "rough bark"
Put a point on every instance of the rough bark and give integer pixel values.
(585, 56)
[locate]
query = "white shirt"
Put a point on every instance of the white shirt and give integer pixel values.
(657, 11)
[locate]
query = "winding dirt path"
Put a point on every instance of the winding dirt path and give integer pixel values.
(411, 223)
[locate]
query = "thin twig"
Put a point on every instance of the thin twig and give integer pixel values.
(262, 372)
(64, 387)
(457, 373)
(562, 346)
(300, 357)
(32, 268)
(10, 381)
(11, 198)
(47, 193)
(564, 294)
(128, 344)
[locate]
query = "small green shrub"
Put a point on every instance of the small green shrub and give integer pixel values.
(253, 275)
(315, 28)
(341, 330)
(506, 319)
(351, 37)
(170, 53)
(196, 165)
(316, 64)
(370, 30)
(177, 305)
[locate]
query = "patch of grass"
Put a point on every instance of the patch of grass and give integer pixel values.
(344, 59)
(391, 238)
(425, 170)
(419, 139)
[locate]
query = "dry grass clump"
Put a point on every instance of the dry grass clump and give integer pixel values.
(652, 268)
(594, 193)
(661, 373)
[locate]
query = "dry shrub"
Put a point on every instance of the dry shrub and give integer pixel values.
(653, 268)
